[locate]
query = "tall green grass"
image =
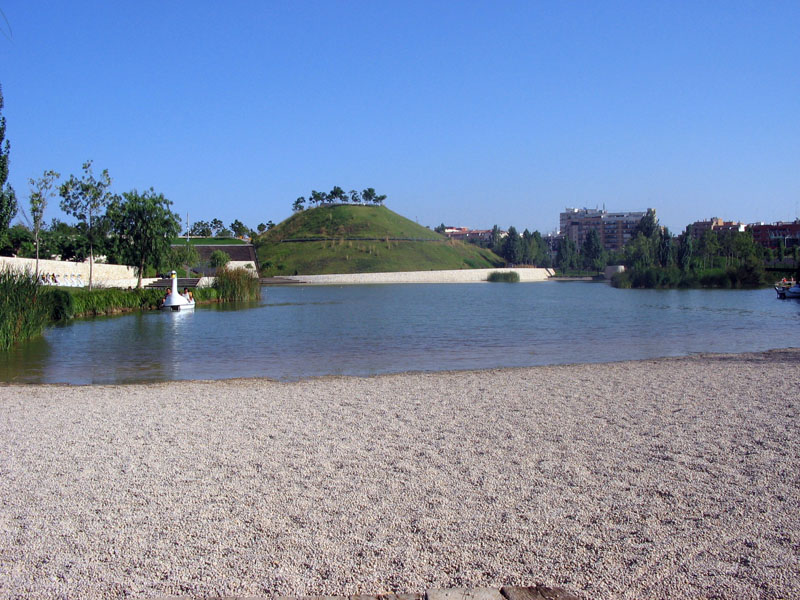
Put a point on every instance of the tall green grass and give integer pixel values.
(23, 314)
(237, 284)
(503, 277)
(27, 307)
(67, 303)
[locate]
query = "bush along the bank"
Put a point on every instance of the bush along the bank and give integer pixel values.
(237, 284)
(503, 277)
(23, 313)
(747, 275)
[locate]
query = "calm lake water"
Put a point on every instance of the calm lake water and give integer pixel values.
(302, 331)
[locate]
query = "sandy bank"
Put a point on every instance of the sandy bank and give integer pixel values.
(651, 479)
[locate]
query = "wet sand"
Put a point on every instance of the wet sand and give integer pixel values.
(657, 478)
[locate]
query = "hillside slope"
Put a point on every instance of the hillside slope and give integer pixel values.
(361, 239)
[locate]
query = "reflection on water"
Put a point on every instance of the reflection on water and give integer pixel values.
(296, 332)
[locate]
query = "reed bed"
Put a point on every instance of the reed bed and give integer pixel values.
(67, 303)
(23, 313)
(503, 277)
(26, 307)
(237, 284)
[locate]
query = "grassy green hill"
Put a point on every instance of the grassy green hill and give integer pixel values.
(361, 239)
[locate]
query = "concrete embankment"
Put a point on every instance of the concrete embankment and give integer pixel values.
(103, 275)
(452, 276)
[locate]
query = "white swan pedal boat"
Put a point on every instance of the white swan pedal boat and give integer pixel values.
(175, 301)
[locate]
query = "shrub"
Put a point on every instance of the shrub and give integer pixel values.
(219, 259)
(621, 280)
(503, 277)
(237, 284)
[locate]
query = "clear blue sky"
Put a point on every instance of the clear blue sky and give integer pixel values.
(467, 113)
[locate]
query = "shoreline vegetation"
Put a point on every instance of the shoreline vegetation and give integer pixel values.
(503, 277)
(26, 307)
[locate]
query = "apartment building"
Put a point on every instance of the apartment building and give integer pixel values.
(615, 228)
(770, 234)
(698, 228)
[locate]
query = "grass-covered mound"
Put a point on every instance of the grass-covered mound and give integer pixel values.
(361, 239)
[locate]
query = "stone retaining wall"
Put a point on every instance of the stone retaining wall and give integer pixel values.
(454, 276)
(103, 275)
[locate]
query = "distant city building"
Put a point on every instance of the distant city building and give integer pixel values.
(615, 228)
(698, 228)
(770, 235)
(466, 234)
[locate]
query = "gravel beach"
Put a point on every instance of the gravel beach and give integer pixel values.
(667, 478)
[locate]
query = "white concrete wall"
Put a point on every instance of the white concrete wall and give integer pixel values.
(116, 276)
(454, 276)
(103, 275)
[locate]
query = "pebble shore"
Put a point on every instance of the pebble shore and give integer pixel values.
(667, 478)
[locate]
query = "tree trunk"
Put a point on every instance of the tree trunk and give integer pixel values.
(141, 270)
(91, 264)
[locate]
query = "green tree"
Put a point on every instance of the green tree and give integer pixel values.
(261, 228)
(666, 248)
(640, 252)
(592, 255)
(298, 204)
(219, 258)
(8, 199)
(66, 241)
(317, 197)
(709, 246)
(355, 197)
(496, 240)
(201, 229)
(18, 241)
(540, 251)
(685, 251)
(648, 224)
(239, 229)
(567, 255)
(528, 252)
(440, 228)
(145, 227)
(512, 247)
(337, 194)
(41, 192)
(369, 195)
(85, 199)
(216, 227)
(185, 256)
